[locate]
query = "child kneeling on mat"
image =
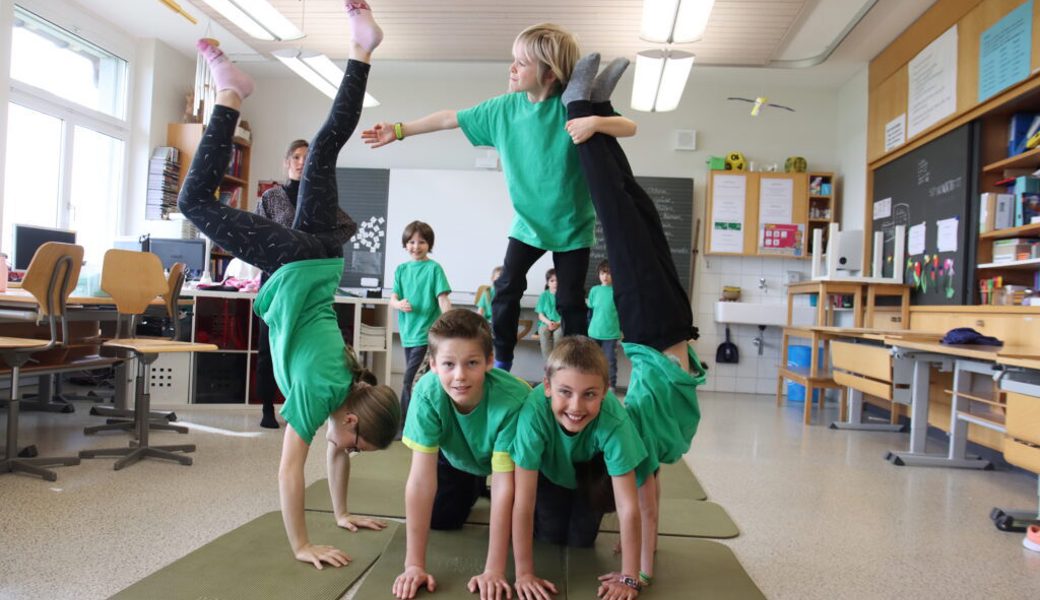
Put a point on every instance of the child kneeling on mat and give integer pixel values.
(460, 427)
(576, 452)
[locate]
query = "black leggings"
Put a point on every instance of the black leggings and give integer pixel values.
(653, 307)
(255, 239)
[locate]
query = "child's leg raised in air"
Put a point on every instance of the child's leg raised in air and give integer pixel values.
(250, 237)
(318, 196)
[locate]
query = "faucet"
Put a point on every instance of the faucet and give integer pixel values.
(762, 283)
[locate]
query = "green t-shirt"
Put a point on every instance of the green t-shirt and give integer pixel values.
(547, 306)
(541, 444)
(478, 442)
(546, 184)
(604, 324)
(419, 282)
(662, 402)
(307, 347)
(484, 304)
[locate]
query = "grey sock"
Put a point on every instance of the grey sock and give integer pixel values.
(604, 84)
(580, 85)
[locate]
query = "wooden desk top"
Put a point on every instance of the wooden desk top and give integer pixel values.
(979, 352)
(21, 297)
(1026, 362)
(869, 333)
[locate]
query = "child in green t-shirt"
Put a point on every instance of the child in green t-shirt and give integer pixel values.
(576, 453)
(460, 429)
(549, 330)
(485, 299)
(322, 380)
(604, 326)
(550, 198)
(421, 295)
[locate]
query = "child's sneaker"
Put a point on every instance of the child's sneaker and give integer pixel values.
(1032, 539)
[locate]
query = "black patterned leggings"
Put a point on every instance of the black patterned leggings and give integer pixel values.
(255, 239)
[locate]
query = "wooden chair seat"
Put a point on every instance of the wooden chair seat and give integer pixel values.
(158, 345)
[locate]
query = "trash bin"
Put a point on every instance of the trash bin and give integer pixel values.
(800, 356)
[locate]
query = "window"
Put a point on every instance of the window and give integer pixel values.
(66, 134)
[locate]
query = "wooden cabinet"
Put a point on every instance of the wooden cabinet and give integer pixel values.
(767, 214)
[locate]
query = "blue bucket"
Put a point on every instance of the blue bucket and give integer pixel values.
(800, 356)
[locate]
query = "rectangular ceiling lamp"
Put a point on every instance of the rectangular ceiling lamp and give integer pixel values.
(257, 18)
(660, 79)
(675, 21)
(319, 71)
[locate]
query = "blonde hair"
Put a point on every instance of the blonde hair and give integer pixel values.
(459, 323)
(376, 406)
(553, 47)
(581, 354)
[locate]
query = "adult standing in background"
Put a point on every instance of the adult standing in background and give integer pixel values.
(279, 204)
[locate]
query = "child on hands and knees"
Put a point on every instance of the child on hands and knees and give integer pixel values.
(319, 375)
(421, 294)
(576, 453)
(549, 195)
(653, 307)
(460, 428)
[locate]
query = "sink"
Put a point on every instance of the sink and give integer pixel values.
(751, 313)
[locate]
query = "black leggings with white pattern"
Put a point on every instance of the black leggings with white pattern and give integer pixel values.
(255, 239)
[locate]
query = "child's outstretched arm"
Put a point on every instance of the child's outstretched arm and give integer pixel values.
(290, 489)
(492, 582)
(418, 507)
(338, 463)
(582, 128)
(627, 500)
(384, 133)
(528, 585)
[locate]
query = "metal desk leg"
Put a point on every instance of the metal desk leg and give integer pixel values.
(855, 421)
(958, 450)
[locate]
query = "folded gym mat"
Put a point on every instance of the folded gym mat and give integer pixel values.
(685, 568)
(254, 561)
(453, 557)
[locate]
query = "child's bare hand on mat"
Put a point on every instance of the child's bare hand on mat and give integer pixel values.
(612, 576)
(530, 587)
(355, 522)
(316, 555)
(615, 590)
(409, 582)
(491, 585)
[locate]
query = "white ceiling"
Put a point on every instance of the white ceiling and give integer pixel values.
(748, 33)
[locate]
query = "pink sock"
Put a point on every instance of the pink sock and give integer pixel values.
(225, 73)
(363, 28)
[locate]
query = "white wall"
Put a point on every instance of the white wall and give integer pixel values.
(851, 142)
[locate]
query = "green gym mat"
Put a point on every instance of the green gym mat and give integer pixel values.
(453, 557)
(254, 561)
(686, 518)
(685, 568)
(678, 481)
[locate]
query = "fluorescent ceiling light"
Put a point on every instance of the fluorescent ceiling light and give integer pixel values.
(675, 21)
(660, 79)
(257, 18)
(319, 71)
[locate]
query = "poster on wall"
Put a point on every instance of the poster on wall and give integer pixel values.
(728, 197)
(1004, 51)
(781, 238)
(775, 200)
(932, 83)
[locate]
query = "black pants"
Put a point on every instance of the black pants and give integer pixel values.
(413, 358)
(653, 307)
(257, 240)
(509, 288)
(564, 516)
(457, 492)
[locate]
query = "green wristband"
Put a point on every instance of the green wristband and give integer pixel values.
(399, 130)
(645, 578)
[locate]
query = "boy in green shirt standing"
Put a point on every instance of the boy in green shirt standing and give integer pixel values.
(604, 326)
(576, 453)
(460, 430)
(550, 331)
(421, 295)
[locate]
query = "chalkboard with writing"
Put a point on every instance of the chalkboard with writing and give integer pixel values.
(930, 191)
(363, 195)
(673, 197)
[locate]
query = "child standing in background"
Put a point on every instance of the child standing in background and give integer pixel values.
(421, 295)
(604, 326)
(549, 331)
(549, 195)
(484, 302)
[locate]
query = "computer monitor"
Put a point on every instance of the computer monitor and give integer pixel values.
(190, 252)
(29, 238)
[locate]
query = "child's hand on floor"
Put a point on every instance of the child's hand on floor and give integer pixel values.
(409, 582)
(615, 590)
(529, 587)
(316, 555)
(491, 585)
(355, 522)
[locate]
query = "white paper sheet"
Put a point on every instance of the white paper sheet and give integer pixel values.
(915, 239)
(728, 199)
(895, 132)
(932, 83)
(883, 209)
(775, 200)
(946, 234)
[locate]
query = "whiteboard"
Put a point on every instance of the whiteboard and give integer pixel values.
(470, 213)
